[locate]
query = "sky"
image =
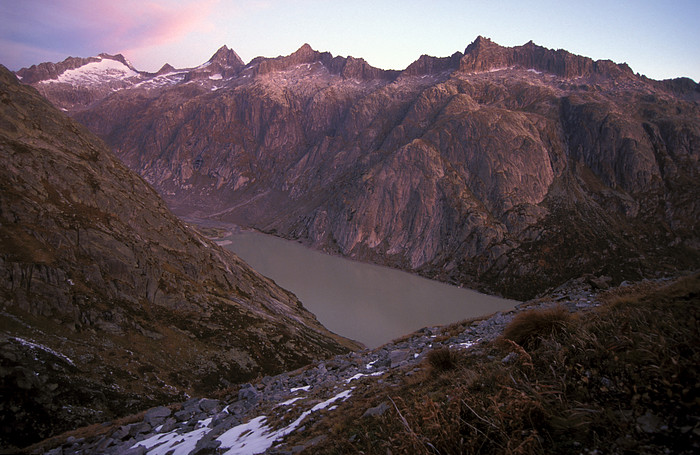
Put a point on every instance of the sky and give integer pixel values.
(657, 39)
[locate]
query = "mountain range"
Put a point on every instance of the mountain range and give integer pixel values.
(507, 169)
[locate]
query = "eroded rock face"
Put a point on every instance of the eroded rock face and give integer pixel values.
(511, 170)
(109, 304)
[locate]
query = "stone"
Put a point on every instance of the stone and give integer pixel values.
(138, 450)
(206, 445)
(398, 356)
(139, 428)
(169, 425)
(184, 414)
(208, 405)
(248, 393)
(121, 433)
(157, 416)
(602, 282)
(378, 410)
(649, 423)
(103, 444)
(510, 358)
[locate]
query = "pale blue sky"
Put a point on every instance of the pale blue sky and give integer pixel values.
(658, 39)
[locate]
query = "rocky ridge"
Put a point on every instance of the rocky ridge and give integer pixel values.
(489, 169)
(256, 417)
(108, 302)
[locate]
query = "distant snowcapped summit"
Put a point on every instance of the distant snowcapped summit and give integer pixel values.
(105, 70)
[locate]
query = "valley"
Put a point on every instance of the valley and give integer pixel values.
(566, 190)
(487, 169)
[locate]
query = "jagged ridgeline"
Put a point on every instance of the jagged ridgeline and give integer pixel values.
(108, 303)
(511, 170)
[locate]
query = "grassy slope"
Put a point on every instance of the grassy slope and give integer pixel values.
(621, 379)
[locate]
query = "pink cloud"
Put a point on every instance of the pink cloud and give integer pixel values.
(135, 24)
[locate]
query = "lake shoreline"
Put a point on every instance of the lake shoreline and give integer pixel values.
(370, 303)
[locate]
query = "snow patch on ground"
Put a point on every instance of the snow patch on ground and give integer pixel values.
(290, 401)
(31, 345)
(173, 443)
(249, 438)
(342, 395)
(468, 344)
(362, 375)
(255, 437)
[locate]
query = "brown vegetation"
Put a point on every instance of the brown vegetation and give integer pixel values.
(621, 379)
(443, 359)
(528, 328)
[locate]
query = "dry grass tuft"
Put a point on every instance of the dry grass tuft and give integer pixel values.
(529, 327)
(443, 359)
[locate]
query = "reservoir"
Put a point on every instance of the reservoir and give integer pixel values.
(365, 302)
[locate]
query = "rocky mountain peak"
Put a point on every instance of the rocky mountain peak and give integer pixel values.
(227, 57)
(167, 68)
(118, 58)
(427, 64)
(485, 55)
(481, 42)
(48, 70)
(305, 54)
(305, 50)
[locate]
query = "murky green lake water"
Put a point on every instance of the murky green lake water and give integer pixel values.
(365, 302)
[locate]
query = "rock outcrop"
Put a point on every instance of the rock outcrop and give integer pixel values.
(108, 303)
(511, 170)
(485, 55)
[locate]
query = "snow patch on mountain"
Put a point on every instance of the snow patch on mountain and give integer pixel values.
(105, 70)
(163, 80)
(32, 345)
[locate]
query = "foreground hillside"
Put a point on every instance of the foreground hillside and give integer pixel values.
(576, 372)
(491, 168)
(108, 303)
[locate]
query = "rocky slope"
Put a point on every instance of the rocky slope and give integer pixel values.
(108, 303)
(361, 402)
(510, 170)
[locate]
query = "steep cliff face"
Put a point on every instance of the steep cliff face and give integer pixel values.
(507, 169)
(108, 303)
